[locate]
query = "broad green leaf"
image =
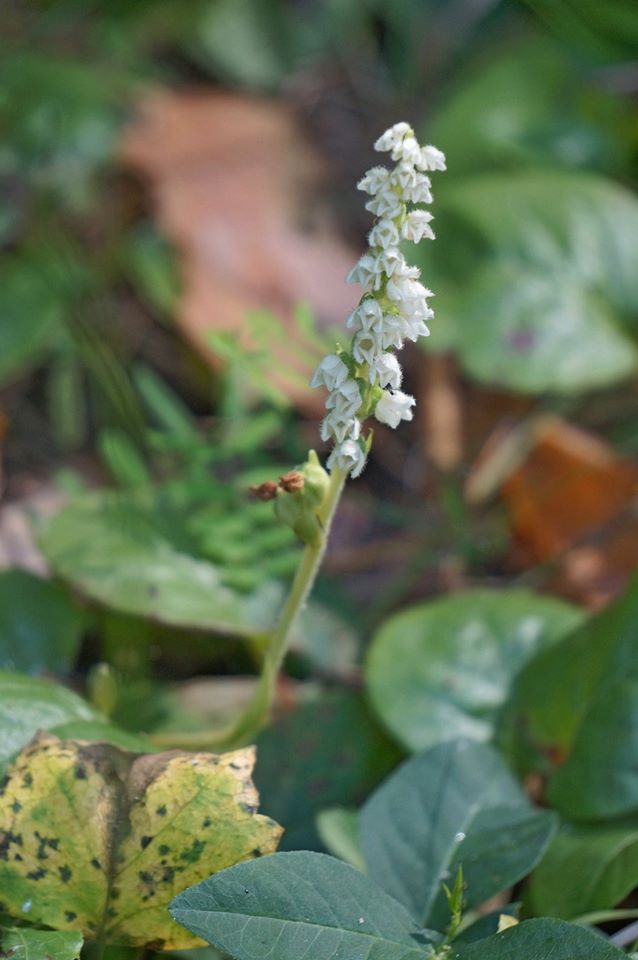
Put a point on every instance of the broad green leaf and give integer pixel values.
(40, 627)
(322, 754)
(599, 779)
(541, 328)
(302, 904)
(28, 705)
(442, 670)
(565, 703)
(339, 832)
(539, 940)
(455, 805)
(99, 840)
(585, 869)
(116, 553)
(24, 943)
(523, 105)
(547, 270)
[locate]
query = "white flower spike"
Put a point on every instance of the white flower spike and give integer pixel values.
(365, 379)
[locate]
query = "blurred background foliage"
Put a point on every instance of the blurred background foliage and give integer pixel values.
(142, 440)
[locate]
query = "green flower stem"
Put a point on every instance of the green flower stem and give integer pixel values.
(257, 713)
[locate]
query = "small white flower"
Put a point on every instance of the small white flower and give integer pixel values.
(402, 288)
(387, 370)
(419, 192)
(393, 136)
(366, 347)
(431, 158)
(364, 271)
(392, 408)
(392, 332)
(385, 204)
(390, 262)
(407, 151)
(404, 176)
(384, 234)
(367, 316)
(345, 400)
(417, 225)
(349, 457)
(330, 373)
(374, 180)
(415, 327)
(340, 430)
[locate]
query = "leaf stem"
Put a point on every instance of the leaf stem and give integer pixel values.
(257, 713)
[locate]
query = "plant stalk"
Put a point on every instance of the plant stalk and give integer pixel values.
(257, 713)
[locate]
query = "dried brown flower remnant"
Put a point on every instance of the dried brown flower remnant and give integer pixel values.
(292, 482)
(264, 491)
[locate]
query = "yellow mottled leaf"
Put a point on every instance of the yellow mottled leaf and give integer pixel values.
(99, 840)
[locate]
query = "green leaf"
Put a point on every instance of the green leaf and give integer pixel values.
(455, 805)
(539, 940)
(443, 669)
(577, 702)
(237, 38)
(339, 832)
(548, 272)
(522, 105)
(100, 840)
(29, 318)
(40, 627)
(115, 552)
(324, 753)
(585, 869)
(541, 329)
(101, 732)
(600, 777)
(28, 705)
(306, 904)
(24, 943)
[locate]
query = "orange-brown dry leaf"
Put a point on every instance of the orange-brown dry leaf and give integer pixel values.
(573, 497)
(235, 189)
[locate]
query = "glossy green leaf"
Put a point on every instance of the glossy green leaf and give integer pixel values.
(585, 869)
(542, 329)
(117, 554)
(539, 940)
(599, 779)
(306, 904)
(576, 702)
(456, 804)
(324, 753)
(25, 943)
(443, 669)
(547, 270)
(524, 104)
(339, 832)
(40, 627)
(28, 705)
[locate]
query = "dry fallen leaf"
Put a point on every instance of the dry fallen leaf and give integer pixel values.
(570, 499)
(236, 189)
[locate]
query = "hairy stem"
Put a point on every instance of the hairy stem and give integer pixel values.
(257, 713)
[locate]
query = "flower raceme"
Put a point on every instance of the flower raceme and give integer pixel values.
(365, 379)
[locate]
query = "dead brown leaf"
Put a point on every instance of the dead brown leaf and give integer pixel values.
(236, 190)
(573, 500)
